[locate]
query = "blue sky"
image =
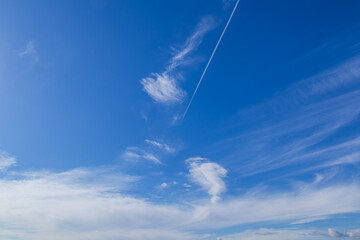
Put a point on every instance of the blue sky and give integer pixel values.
(94, 142)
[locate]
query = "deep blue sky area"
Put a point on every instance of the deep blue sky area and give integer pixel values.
(93, 99)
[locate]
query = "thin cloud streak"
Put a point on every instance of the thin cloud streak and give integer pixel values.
(137, 154)
(296, 127)
(159, 145)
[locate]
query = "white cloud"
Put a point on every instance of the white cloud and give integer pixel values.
(295, 139)
(159, 145)
(164, 185)
(208, 175)
(305, 204)
(82, 204)
(354, 234)
(299, 125)
(272, 234)
(92, 204)
(164, 87)
(6, 161)
(205, 25)
(136, 154)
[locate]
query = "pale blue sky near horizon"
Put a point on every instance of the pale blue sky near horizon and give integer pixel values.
(93, 144)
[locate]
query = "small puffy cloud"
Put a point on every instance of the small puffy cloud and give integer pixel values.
(162, 146)
(163, 88)
(164, 185)
(136, 154)
(6, 161)
(208, 175)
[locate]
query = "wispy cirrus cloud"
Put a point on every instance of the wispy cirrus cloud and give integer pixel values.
(164, 87)
(162, 146)
(192, 43)
(136, 154)
(152, 153)
(6, 161)
(208, 175)
(296, 126)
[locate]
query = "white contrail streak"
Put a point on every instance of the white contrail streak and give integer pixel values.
(211, 57)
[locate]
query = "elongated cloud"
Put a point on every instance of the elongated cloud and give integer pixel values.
(294, 126)
(274, 234)
(136, 154)
(208, 175)
(164, 87)
(192, 43)
(162, 146)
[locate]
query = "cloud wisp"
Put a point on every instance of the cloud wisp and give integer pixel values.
(162, 146)
(6, 161)
(298, 126)
(164, 87)
(136, 154)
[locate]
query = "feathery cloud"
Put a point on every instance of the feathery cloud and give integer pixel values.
(136, 154)
(299, 121)
(6, 161)
(162, 146)
(164, 87)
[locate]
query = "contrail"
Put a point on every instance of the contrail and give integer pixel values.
(211, 57)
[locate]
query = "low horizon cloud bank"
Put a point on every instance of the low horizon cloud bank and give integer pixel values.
(94, 204)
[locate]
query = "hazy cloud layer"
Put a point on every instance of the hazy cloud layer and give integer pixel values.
(93, 204)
